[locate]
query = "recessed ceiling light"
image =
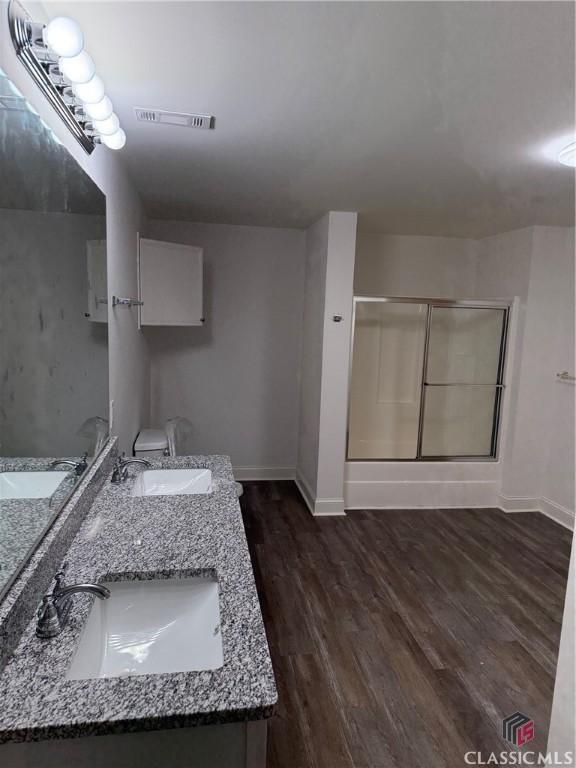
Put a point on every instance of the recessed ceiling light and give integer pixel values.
(568, 155)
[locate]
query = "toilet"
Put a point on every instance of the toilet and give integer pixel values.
(151, 444)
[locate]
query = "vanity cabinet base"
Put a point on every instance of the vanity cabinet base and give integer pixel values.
(234, 745)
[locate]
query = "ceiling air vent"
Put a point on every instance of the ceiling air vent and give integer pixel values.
(183, 119)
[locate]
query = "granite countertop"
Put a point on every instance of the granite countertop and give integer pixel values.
(34, 463)
(148, 537)
(21, 523)
(23, 520)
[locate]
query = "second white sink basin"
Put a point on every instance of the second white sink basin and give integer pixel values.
(150, 628)
(169, 482)
(29, 485)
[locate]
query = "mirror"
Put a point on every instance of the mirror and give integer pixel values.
(53, 328)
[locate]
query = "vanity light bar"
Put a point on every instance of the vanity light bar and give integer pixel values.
(54, 55)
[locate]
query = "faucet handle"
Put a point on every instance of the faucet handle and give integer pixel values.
(120, 472)
(82, 465)
(48, 624)
(43, 607)
(59, 577)
(46, 609)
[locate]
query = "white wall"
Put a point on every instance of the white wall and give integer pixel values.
(330, 255)
(55, 361)
(538, 459)
(236, 377)
(336, 362)
(502, 265)
(129, 367)
(406, 265)
(562, 733)
(553, 261)
(316, 255)
(503, 271)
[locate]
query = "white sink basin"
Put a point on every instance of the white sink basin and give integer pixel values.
(168, 482)
(151, 628)
(29, 485)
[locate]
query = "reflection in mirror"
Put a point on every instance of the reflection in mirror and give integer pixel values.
(53, 327)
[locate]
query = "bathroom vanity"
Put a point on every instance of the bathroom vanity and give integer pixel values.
(171, 667)
(133, 681)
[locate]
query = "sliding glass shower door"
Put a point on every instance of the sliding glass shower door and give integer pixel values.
(463, 379)
(385, 391)
(426, 379)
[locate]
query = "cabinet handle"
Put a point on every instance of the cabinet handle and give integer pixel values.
(117, 301)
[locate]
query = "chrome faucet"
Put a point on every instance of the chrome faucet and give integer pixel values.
(78, 466)
(120, 474)
(55, 607)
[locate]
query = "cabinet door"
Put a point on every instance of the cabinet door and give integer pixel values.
(170, 277)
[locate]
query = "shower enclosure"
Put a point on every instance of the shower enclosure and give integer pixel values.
(426, 380)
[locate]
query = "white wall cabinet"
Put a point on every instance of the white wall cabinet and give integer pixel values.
(170, 280)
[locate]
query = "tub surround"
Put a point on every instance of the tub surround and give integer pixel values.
(125, 537)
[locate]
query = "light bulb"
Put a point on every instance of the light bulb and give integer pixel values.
(90, 92)
(116, 140)
(78, 69)
(64, 36)
(107, 127)
(101, 110)
(568, 155)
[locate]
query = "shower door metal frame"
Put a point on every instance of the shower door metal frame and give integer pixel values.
(431, 303)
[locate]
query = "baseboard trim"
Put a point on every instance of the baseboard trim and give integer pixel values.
(560, 514)
(305, 491)
(329, 508)
(318, 507)
(418, 507)
(511, 504)
(264, 473)
(337, 507)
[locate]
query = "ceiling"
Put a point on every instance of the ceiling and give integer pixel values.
(425, 117)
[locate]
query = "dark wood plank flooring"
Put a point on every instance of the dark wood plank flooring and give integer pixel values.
(401, 638)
